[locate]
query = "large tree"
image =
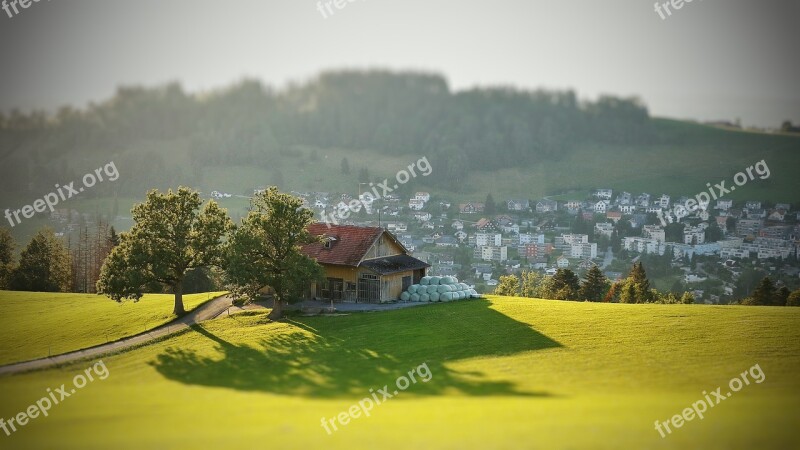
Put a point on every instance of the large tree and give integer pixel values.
(265, 249)
(44, 265)
(172, 235)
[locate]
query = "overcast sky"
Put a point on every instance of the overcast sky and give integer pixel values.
(712, 59)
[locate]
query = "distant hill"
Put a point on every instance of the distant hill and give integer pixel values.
(504, 141)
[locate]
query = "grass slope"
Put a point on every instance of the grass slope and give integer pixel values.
(34, 323)
(506, 373)
(699, 154)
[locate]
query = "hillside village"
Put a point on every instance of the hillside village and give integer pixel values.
(708, 249)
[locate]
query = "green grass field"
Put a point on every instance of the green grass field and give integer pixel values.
(506, 373)
(34, 324)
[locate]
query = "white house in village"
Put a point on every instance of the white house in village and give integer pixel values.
(424, 197)
(601, 207)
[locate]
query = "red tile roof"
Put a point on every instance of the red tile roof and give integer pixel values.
(349, 247)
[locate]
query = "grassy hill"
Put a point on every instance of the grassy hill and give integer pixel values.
(701, 155)
(505, 373)
(34, 324)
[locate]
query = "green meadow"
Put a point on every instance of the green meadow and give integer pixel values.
(35, 324)
(505, 373)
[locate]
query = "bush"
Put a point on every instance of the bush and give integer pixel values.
(508, 285)
(794, 299)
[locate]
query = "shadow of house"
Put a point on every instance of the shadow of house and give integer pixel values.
(346, 356)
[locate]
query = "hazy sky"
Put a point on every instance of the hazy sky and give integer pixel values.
(712, 59)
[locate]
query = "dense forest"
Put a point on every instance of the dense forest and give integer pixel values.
(252, 124)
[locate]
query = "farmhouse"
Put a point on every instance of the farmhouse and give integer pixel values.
(361, 264)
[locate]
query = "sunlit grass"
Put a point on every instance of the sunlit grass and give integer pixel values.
(507, 373)
(35, 324)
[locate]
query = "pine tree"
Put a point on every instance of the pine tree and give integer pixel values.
(764, 293)
(594, 287)
(638, 276)
(113, 237)
(44, 265)
(566, 285)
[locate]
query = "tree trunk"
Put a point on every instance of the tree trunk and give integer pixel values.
(179, 310)
(277, 308)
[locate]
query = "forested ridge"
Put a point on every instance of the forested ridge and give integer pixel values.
(252, 124)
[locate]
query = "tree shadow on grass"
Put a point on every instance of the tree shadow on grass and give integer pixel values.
(346, 356)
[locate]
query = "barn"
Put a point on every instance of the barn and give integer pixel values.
(361, 264)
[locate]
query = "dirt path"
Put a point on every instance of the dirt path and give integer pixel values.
(207, 311)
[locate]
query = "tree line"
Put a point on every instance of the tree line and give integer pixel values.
(635, 288)
(256, 125)
(595, 287)
(767, 294)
